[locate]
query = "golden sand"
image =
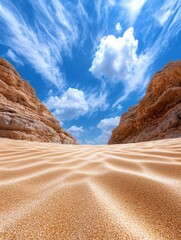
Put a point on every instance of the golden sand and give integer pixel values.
(51, 191)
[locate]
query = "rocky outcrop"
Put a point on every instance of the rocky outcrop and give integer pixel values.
(22, 115)
(158, 114)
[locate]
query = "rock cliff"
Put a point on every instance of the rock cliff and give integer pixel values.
(22, 115)
(158, 114)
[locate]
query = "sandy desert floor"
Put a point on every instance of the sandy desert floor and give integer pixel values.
(50, 191)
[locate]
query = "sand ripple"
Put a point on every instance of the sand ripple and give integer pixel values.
(50, 191)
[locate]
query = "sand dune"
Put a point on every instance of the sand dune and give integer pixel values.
(50, 191)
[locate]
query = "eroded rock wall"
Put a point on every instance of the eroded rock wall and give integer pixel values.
(158, 114)
(22, 115)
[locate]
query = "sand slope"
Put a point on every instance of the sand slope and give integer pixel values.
(50, 191)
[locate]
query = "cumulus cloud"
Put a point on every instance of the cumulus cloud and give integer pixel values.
(116, 60)
(71, 105)
(74, 103)
(75, 131)
(115, 57)
(10, 54)
(106, 126)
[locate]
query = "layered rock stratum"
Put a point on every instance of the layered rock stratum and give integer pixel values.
(158, 114)
(22, 115)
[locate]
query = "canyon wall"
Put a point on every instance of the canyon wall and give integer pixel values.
(158, 114)
(22, 115)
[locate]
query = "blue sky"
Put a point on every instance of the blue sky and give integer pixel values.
(89, 61)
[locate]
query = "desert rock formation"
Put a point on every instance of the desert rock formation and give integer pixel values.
(158, 114)
(22, 115)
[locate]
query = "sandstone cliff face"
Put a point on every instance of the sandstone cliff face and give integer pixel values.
(22, 115)
(158, 114)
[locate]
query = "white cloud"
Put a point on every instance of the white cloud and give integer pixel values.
(74, 103)
(164, 17)
(84, 22)
(112, 2)
(106, 126)
(168, 16)
(116, 60)
(103, 8)
(119, 107)
(71, 105)
(97, 101)
(165, 12)
(118, 27)
(75, 131)
(132, 8)
(115, 57)
(137, 80)
(53, 32)
(100, 6)
(10, 54)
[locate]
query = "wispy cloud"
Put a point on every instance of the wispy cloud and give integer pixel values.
(41, 43)
(171, 26)
(84, 21)
(103, 10)
(97, 100)
(11, 55)
(168, 16)
(165, 12)
(132, 9)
